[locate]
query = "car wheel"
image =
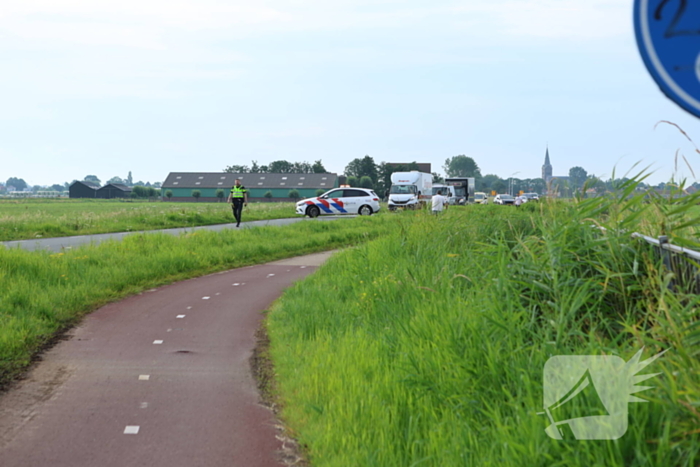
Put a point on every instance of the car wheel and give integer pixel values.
(313, 211)
(365, 210)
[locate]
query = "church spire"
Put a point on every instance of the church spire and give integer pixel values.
(547, 167)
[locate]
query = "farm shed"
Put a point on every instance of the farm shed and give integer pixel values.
(183, 183)
(83, 190)
(114, 190)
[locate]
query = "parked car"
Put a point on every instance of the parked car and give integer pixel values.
(532, 196)
(340, 201)
(481, 198)
(504, 199)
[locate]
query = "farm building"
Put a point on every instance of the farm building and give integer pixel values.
(83, 190)
(181, 184)
(114, 190)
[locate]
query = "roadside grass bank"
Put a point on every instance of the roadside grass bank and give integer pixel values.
(43, 294)
(42, 218)
(427, 347)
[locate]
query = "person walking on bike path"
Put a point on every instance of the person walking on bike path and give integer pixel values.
(238, 198)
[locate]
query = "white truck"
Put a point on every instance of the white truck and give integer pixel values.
(410, 189)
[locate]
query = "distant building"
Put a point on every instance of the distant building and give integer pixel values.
(114, 190)
(547, 168)
(181, 184)
(83, 190)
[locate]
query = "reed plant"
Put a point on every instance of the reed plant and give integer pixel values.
(426, 347)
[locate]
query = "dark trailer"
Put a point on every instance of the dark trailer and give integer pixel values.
(464, 188)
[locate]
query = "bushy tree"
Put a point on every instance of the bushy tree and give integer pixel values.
(486, 183)
(461, 166)
(281, 167)
(117, 180)
(294, 194)
(437, 178)
(168, 194)
(318, 167)
(220, 194)
(353, 181)
(18, 183)
(92, 178)
(366, 182)
(237, 169)
(364, 167)
(268, 194)
(577, 177)
(196, 194)
(140, 191)
(320, 191)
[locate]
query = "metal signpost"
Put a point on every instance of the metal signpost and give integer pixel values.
(668, 37)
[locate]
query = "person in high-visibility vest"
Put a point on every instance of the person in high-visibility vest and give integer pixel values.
(238, 198)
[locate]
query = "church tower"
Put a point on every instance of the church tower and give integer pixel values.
(547, 168)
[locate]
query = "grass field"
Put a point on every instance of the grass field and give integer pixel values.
(40, 218)
(426, 347)
(43, 293)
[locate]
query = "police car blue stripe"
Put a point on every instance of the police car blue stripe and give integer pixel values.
(324, 208)
(339, 208)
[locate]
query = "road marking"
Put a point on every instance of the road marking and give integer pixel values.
(169, 330)
(217, 293)
(180, 316)
(157, 342)
(236, 284)
(206, 298)
(270, 275)
(189, 307)
(303, 267)
(131, 430)
(144, 405)
(144, 377)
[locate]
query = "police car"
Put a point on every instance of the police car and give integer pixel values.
(341, 201)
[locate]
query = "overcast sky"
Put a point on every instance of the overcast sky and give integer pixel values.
(152, 86)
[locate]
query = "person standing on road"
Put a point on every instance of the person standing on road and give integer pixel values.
(238, 198)
(439, 203)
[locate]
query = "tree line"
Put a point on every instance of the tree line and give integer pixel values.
(140, 189)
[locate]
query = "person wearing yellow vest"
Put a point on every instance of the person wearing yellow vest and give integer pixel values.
(238, 198)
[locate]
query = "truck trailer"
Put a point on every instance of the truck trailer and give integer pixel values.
(464, 188)
(410, 189)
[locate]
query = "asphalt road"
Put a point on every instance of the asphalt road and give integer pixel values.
(58, 244)
(160, 379)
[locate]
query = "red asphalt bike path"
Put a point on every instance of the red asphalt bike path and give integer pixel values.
(162, 378)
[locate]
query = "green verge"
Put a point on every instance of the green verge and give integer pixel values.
(42, 218)
(42, 294)
(427, 346)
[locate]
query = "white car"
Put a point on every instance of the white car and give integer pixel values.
(503, 199)
(340, 201)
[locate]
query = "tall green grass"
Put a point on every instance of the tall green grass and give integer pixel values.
(40, 218)
(43, 293)
(427, 346)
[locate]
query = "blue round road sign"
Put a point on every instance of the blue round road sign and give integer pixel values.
(668, 37)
